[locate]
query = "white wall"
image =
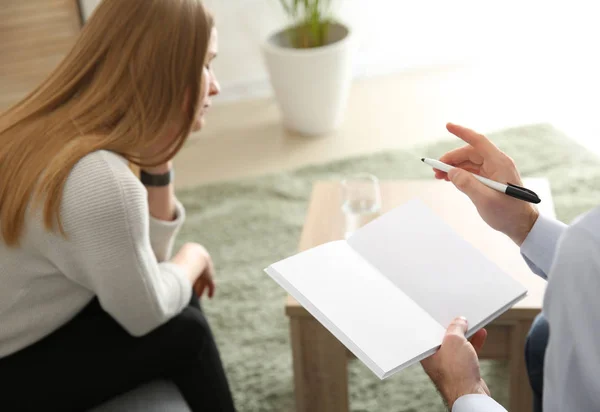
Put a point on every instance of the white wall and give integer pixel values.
(87, 7)
(393, 35)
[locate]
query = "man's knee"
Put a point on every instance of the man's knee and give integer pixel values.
(535, 350)
(537, 339)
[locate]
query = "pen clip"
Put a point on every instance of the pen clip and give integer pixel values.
(522, 193)
(531, 192)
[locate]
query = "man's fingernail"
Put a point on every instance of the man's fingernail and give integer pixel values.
(462, 318)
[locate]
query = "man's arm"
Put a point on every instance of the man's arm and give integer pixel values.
(454, 369)
(571, 378)
(539, 246)
(477, 403)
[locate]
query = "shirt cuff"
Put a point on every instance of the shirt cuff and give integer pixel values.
(476, 403)
(162, 233)
(540, 244)
(185, 286)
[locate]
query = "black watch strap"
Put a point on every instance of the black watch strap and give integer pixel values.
(149, 179)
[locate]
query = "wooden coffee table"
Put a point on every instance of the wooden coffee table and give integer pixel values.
(320, 360)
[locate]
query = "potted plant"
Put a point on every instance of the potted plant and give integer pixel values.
(310, 67)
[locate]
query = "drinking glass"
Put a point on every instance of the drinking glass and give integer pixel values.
(361, 201)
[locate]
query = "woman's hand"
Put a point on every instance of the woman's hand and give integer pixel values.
(511, 216)
(454, 368)
(199, 267)
(206, 280)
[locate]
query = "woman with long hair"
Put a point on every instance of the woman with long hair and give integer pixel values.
(92, 301)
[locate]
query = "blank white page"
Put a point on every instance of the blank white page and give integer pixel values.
(362, 308)
(426, 259)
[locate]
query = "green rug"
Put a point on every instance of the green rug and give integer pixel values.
(249, 224)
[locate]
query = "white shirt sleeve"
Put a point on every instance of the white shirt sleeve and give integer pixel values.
(573, 311)
(539, 247)
(571, 259)
(476, 403)
(163, 233)
(108, 249)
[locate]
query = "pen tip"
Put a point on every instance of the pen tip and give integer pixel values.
(422, 159)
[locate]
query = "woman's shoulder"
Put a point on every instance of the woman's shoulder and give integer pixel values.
(101, 162)
(102, 175)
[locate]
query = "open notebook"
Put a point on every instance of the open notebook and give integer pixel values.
(390, 290)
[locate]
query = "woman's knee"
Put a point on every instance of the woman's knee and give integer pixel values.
(189, 330)
(186, 335)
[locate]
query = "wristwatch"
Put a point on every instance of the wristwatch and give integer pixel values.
(157, 180)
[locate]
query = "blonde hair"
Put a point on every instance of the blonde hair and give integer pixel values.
(123, 86)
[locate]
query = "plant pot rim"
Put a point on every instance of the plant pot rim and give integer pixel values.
(271, 47)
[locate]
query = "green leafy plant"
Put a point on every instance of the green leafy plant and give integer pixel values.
(311, 22)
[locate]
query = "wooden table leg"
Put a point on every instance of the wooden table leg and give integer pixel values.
(521, 396)
(320, 368)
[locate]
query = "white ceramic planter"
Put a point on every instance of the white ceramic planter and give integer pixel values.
(311, 85)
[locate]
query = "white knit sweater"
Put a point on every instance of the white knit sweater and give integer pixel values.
(115, 250)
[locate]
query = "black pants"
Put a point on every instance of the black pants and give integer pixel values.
(92, 359)
(535, 353)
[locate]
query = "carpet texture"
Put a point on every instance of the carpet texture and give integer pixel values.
(247, 225)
